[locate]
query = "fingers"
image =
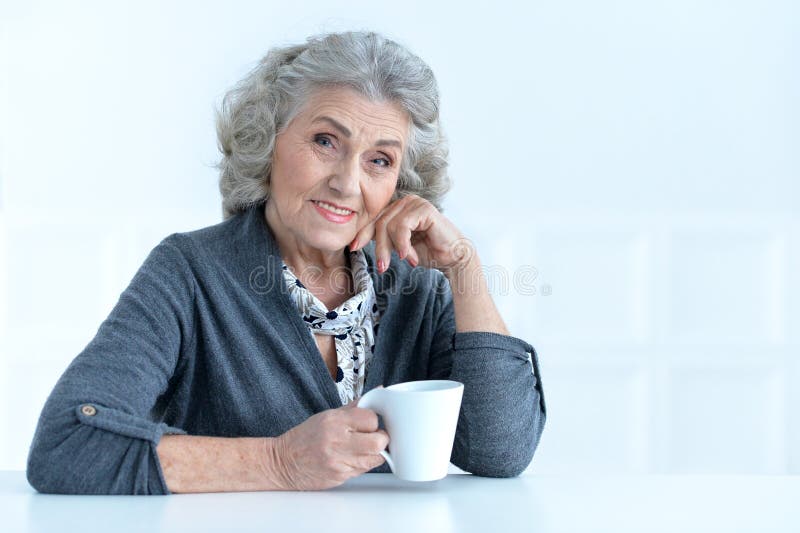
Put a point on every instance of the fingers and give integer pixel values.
(361, 420)
(369, 443)
(400, 236)
(365, 450)
(415, 229)
(360, 451)
(363, 236)
(367, 233)
(394, 230)
(330, 447)
(383, 242)
(400, 229)
(383, 245)
(359, 464)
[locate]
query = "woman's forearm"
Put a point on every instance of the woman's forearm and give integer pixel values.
(499, 381)
(217, 464)
(473, 306)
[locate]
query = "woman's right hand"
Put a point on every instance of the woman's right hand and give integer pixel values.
(329, 448)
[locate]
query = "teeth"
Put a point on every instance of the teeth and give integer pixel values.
(336, 210)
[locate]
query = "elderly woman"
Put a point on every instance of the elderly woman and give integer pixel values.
(233, 360)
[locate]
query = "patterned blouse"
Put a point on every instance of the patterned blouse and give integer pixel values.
(352, 324)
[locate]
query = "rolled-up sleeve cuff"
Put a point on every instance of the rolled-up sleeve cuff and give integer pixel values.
(466, 340)
(132, 426)
(123, 423)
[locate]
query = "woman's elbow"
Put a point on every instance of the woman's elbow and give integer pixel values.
(60, 460)
(499, 467)
(507, 462)
(520, 457)
(46, 475)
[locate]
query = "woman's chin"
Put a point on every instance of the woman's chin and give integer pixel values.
(332, 244)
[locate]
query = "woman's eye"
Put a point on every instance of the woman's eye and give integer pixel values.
(325, 141)
(323, 138)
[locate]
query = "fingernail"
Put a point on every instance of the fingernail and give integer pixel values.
(354, 245)
(381, 265)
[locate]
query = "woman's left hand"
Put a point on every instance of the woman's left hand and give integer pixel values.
(419, 233)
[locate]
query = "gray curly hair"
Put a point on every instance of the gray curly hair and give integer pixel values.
(262, 104)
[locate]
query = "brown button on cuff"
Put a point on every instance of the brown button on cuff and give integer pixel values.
(88, 410)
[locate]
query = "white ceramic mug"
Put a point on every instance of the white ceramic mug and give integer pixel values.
(420, 418)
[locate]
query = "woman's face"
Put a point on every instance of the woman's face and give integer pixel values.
(335, 167)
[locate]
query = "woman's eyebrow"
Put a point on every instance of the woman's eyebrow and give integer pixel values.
(346, 132)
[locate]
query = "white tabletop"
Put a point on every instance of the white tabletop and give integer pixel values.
(462, 503)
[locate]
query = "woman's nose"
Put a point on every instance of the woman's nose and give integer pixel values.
(346, 178)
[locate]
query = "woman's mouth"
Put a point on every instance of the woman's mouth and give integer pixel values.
(333, 213)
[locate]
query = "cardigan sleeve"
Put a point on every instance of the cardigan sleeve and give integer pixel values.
(503, 410)
(98, 432)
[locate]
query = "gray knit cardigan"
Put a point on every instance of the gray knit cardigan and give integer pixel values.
(205, 341)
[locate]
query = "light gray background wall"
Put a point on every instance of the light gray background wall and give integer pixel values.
(636, 163)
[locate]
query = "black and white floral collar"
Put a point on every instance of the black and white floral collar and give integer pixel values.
(351, 324)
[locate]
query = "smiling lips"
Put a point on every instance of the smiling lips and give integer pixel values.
(333, 213)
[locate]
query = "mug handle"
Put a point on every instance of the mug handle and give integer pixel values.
(389, 460)
(372, 400)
